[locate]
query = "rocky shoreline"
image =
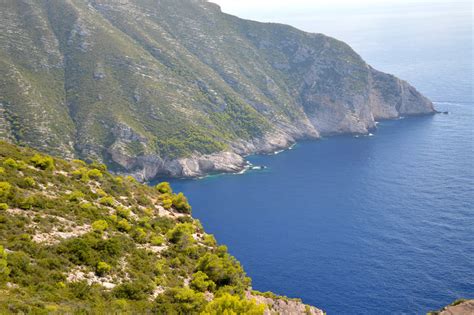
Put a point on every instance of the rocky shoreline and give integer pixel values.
(150, 168)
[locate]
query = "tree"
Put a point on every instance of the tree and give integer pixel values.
(180, 202)
(180, 301)
(164, 188)
(232, 305)
(201, 282)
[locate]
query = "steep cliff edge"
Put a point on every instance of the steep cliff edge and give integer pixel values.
(178, 88)
(77, 239)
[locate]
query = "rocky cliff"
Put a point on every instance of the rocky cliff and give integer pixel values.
(176, 87)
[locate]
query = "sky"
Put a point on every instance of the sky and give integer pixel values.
(286, 10)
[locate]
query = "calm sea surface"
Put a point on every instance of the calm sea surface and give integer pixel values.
(369, 225)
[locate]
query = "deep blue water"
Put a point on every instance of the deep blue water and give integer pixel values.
(369, 225)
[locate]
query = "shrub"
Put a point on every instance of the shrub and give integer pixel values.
(123, 212)
(95, 173)
(5, 189)
(223, 270)
(201, 282)
(180, 301)
(76, 195)
(180, 202)
(181, 234)
(3, 206)
(103, 268)
(11, 163)
(4, 270)
(2, 170)
(124, 226)
(157, 240)
(29, 182)
(43, 162)
(100, 226)
(81, 173)
(164, 188)
(167, 203)
(136, 290)
(107, 201)
(230, 304)
(118, 180)
(139, 235)
(209, 240)
(79, 162)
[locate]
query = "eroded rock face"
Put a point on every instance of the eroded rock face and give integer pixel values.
(465, 307)
(284, 306)
(178, 88)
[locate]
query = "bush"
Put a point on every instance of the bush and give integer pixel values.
(123, 212)
(76, 195)
(29, 182)
(2, 170)
(201, 282)
(157, 240)
(136, 290)
(100, 226)
(124, 226)
(229, 304)
(180, 301)
(107, 201)
(167, 203)
(5, 189)
(224, 270)
(182, 234)
(43, 162)
(3, 206)
(10, 163)
(180, 202)
(4, 270)
(95, 173)
(103, 268)
(140, 236)
(164, 188)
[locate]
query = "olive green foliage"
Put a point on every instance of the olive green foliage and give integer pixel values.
(201, 282)
(100, 226)
(121, 230)
(180, 202)
(94, 173)
(103, 268)
(164, 188)
(181, 300)
(4, 270)
(233, 305)
(43, 162)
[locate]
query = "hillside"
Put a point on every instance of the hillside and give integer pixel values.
(76, 239)
(176, 87)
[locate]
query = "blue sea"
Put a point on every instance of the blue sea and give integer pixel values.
(380, 224)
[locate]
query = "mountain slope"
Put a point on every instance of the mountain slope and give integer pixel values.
(176, 87)
(75, 239)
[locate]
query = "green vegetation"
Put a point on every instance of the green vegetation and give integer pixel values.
(63, 237)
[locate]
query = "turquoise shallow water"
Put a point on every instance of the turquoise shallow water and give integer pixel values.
(368, 225)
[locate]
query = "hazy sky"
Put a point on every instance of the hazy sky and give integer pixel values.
(285, 10)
